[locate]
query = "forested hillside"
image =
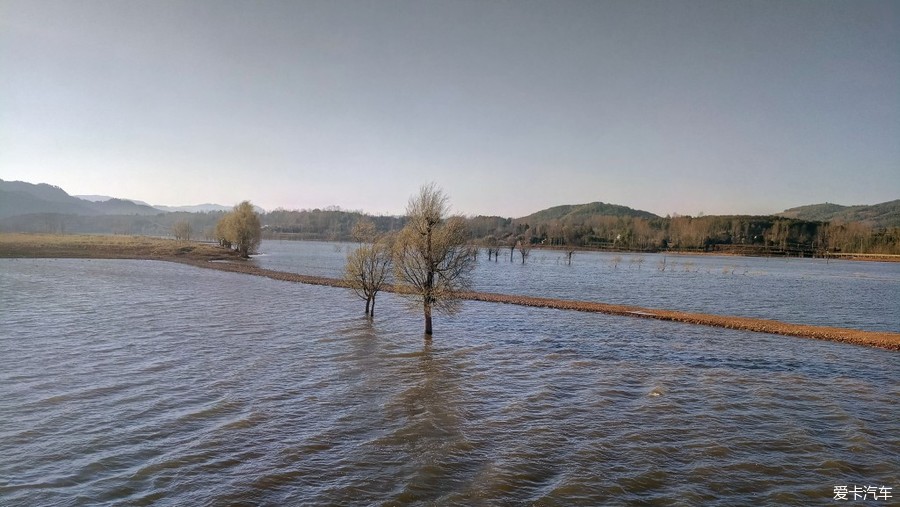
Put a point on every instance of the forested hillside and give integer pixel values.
(886, 214)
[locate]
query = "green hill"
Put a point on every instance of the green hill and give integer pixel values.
(886, 214)
(580, 211)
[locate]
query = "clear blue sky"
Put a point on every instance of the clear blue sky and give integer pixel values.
(511, 106)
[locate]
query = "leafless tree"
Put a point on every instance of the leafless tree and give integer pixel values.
(182, 230)
(431, 258)
(364, 231)
(524, 247)
(492, 246)
(615, 260)
(661, 265)
(367, 270)
(639, 261)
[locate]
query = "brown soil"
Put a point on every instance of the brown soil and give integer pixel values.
(203, 255)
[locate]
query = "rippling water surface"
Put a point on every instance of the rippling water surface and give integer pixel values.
(148, 383)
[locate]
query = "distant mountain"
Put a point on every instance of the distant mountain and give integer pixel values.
(199, 208)
(886, 214)
(42, 191)
(580, 211)
(104, 198)
(14, 202)
(125, 207)
(196, 208)
(22, 198)
(94, 198)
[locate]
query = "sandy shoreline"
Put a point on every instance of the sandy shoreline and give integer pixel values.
(211, 257)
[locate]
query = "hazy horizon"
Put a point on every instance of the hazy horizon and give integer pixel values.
(677, 107)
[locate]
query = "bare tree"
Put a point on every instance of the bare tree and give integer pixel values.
(182, 230)
(367, 270)
(490, 243)
(364, 231)
(524, 247)
(431, 258)
(661, 265)
(639, 261)
(615, 260)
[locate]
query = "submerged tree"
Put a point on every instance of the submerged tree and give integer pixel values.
(368, 265)
(524, 247)
(240, 229)
(493, 247)
(432, 260)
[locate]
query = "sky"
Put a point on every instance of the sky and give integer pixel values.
(715, 107)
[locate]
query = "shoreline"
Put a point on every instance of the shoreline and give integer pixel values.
(213, 257)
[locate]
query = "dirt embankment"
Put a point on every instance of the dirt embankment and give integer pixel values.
(212, 257)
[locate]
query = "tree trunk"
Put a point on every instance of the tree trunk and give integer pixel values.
(372, 312)
(367, 305)
(428, 320)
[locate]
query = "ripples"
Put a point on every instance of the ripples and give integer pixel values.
(135, 383)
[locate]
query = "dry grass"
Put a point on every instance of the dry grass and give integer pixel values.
(107, 247)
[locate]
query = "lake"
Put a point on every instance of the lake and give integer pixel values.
(151, 383)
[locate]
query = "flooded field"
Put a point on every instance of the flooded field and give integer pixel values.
(139, 382)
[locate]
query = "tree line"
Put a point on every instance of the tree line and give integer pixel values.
(750, 235)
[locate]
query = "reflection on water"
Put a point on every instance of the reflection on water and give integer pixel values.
(857, 295)
(133, 382)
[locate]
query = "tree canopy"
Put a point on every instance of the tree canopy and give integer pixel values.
(432, 258)
(240, 229)
(369, 265)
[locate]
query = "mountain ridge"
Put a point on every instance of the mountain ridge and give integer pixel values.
(23, 198)
(881, 215)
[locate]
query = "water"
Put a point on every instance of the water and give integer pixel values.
(857, 295)
(150, 383)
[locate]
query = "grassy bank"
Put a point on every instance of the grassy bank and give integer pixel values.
(108, 247)
(200, 255)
